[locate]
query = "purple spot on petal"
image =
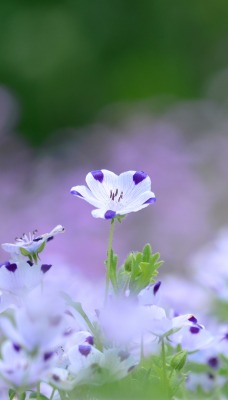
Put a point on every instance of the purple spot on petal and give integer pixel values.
(75, 193)
(98, 175)
(150, 200)
(225, 336)
(213, 362)
(156, 287)
(45, 267)
(131, 368)
(16, 347)
(56, 378)
(211, 376)
(37, 239)
(30, 263)
(123, 355)
(90, 340)
(193, 319)
(139, 176)
(48, 355)
(50, 238)
(194, 330)
(84, 349)
(110, 214)
(11, 267)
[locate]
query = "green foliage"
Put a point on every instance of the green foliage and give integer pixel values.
(138, 271)
(66, 60)
(34, 395)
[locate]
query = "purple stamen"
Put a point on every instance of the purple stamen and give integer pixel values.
(139, 176)
(45, 267)
(11, 267)
(84, 349)
(156, 287)
(150, 200)
(110, 214)
(194, 330)
(98, 175)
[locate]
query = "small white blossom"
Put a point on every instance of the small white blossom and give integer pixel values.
(115, 195)
(30, 243)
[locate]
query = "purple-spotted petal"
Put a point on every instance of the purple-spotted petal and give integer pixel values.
(139, 176)
(11, 267)
(86, 194)
(45, 268)
(110, 214)
(150, 200)
(156, 287)
(84, 349)
(194, 330)
(98, 175)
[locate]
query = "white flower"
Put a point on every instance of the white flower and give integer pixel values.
(31, 243)
(18, 279)
(39, 326)
(21, 369)
(114, 195)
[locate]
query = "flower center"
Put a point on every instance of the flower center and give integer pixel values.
(116, 195)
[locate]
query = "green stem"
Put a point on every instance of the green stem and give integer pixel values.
(38, 391)
(108, 263)
(165, 378)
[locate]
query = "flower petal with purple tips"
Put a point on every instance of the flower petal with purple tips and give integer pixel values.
(84, 349)
(76, 193)
(110, 214)
(194, 330)
(11, 267)
(98, 175)
(150, 200)
(139, 176)
(45, 267)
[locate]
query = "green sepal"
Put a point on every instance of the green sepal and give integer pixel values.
(42, 246)
(24, 252)
(120, 218)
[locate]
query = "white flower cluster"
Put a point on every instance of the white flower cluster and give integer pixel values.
(46, 336)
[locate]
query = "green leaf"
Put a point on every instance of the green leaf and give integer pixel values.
(11, 393)
(40, 397)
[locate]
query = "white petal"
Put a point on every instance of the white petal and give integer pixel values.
(101, 190)
(137, 203)
(87, 195)
(141, 187)
(99, 213)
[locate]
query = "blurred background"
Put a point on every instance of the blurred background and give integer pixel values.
(119, 85)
